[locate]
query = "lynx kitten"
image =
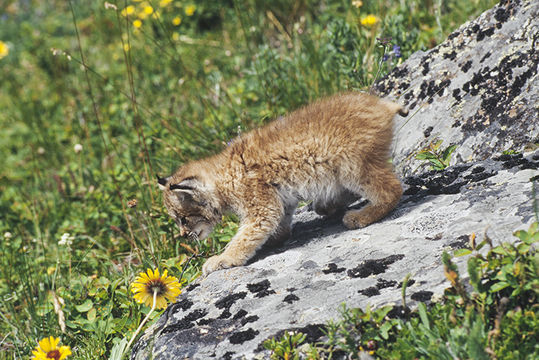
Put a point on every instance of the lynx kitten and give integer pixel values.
(332, 152)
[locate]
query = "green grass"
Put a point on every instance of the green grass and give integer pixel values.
(178, 93)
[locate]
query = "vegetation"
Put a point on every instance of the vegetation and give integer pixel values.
(496, 317)
(97, 97)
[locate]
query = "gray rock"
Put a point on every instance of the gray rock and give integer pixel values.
(478, 90)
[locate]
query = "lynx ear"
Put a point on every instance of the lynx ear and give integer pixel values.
(186, 185)
(162, 182)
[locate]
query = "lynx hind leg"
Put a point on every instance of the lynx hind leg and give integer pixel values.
(382, 188)
(329, 206)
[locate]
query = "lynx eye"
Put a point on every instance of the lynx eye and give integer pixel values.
(182, 220)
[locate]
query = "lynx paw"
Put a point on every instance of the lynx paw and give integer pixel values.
(355, 219)
(217, 262)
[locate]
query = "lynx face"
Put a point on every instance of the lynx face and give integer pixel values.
(189, 206)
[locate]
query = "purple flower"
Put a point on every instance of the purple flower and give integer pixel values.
(397, 51)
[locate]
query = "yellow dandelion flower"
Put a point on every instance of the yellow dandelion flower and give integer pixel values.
(137, 23)
(127, 47)
(190, 10)
(176, 21)
(148, 9)
(166, 288)
(128, 10)
(369, 20)
(176, 36)
(4, 49)
(142, 15)
(357, 4)
(48, 349)
(164, 3)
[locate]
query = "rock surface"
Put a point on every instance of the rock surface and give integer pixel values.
(478, 90)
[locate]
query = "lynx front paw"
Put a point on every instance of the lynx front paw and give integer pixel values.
(217, 262)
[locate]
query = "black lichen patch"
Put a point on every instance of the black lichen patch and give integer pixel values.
(187, 322)
(431, 88)
(502, 15)
(485, 33)
(229, 300)
(195, 315)
(466, 66)
(184, 304)
(249, 319)
(290, 298)
(225, 314)
(373, 267)
(382, 284)
(428, 131)
(512, 160)
(205, 321)
(179, 325)
(242, 336)
(370, 291)
(436, 182)
(410, 283)
(229, 355)
(450, 55)
(461, 242)
(192, 287)
(399, 312)
(261, 289)
(422, 296)
(240, 314)
(332, 268)
(500, 87)
(456, 95)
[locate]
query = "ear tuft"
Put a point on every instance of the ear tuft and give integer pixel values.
(162, 182)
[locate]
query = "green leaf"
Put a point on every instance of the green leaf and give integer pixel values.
(422, 309)
(448, 151)
(384, 329)
(118, 350)
(425, 156)
(85, 306)
(499, 286)
(462, 252)
(91, 315)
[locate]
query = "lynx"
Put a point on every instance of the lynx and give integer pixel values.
(332, 152)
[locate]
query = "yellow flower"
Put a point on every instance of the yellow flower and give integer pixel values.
(48, 349)
(148, 10)
(369, 20)
(177, 21)
(4, 49)
(137, 23)
(190, 10)
(164, 3)
(175, 36)
(127, 47)
(128, 10)
(142, 15)
(357, 4)
(166, 288)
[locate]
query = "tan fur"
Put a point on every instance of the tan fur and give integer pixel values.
(332, 151)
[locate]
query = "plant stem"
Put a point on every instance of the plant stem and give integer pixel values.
(142, 323)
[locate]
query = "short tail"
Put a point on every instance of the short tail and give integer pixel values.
(396, 108)
(403, 112)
